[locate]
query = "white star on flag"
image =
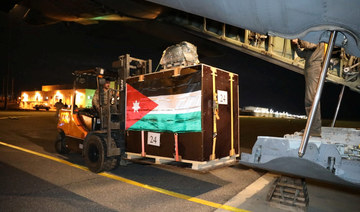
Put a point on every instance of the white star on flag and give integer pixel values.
(136, 106)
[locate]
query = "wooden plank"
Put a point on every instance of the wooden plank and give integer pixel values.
(291, 186)
(290, 196)
(301, 193)
(290, 202)
(287, 207)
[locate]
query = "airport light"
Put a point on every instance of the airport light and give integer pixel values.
(265, 112)
(25, 97)
(58, 95)
(79, 98)
(38, 97)
(79, 93)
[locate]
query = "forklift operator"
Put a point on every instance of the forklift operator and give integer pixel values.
(108, 95)
(96, 97)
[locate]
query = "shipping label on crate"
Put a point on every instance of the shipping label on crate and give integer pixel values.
(165, 104)
(153, 139)
(222, 97)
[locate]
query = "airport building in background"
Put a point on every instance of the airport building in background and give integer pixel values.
(50, 94)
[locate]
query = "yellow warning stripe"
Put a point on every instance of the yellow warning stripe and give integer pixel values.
(115, 177)
(232, 151)
(325, 48)
(46, 156)
(215, 113)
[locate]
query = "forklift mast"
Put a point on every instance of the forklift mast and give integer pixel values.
(126, 67)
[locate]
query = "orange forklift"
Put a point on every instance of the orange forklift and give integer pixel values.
(99, 135)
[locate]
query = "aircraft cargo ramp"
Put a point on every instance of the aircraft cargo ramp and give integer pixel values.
(334, 157)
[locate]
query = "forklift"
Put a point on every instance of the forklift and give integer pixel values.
(100, 134)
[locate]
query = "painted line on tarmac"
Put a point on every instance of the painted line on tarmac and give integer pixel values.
(251, 190)
(45, 156)
(118, 178)
(12, 117)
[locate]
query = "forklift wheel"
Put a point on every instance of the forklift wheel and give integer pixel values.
(95, 155)
(60, 144)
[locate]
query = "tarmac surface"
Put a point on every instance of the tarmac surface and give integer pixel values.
(35, 178)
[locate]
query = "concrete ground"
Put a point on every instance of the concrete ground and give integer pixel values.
(322, 197)
(23, 176)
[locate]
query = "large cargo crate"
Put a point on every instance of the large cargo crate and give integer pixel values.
(192, 114)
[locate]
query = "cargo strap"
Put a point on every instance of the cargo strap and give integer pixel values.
(177, 71)
(232, 150)
(177, 158)
(143, 153)
(325, 48)
(215, 113)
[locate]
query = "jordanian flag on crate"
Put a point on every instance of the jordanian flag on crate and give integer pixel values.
(170, 104)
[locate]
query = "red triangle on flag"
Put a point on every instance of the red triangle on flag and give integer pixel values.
(137, 106)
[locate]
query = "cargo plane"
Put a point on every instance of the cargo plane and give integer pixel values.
(263, 29)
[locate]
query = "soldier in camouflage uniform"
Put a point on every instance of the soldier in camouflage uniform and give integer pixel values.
(107, 97)
(313, 55)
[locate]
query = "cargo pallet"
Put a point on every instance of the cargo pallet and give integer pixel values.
(195, 165)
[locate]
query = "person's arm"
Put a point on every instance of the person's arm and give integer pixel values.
(307, 45)
(305, 53)
(95, 100)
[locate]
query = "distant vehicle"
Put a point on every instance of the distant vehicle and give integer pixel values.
(41, 106)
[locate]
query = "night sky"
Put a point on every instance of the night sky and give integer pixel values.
(45, 55)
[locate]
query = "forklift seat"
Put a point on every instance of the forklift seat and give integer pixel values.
(88, 117)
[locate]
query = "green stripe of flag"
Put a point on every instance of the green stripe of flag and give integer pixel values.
(179, 123)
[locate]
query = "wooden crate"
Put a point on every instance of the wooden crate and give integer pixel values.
(193, 146)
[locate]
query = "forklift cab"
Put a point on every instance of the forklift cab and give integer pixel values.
(81, 117)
